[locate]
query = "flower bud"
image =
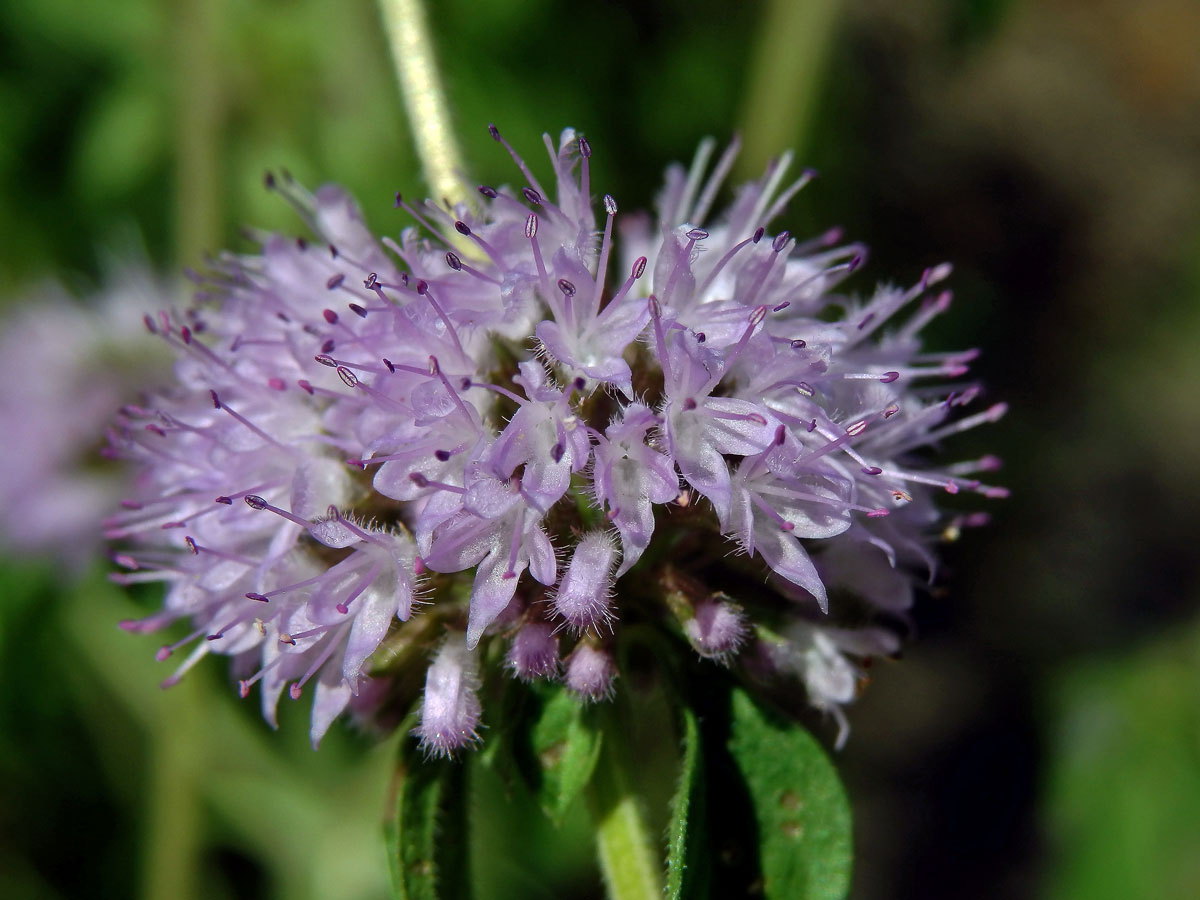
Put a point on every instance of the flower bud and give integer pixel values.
(584, 594)
(716, 630)
(450, 709)
(533, 652)
(590, 673)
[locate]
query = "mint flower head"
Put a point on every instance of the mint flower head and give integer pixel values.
(529, 423)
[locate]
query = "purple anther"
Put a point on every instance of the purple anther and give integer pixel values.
(877, 514)
(531, 226)
(454, 262)
(854, 263)
(422, 286)
(872, 470)
(216, 401)
(301, 244)
(494, 132)
(148, 321)
(585, 149)
(358, 310)
(418, 479)
(327, 361)
(390, 367)
(228, 501)
(781, 306)
(330, 316)
(306, 386)
(488, 192)
(610, 205)
(277, 384)
(889, 377)
(566, 287)
(252, 595)
(269, 180)
(335, 281)
(697, 234)
(186, 334)
(689, 404)
(370, 281)
(348, 378)
(462, 228)
(327, 346)
(255, 502)
(700, 337)
(532, 196)
(191, 545)
(780, 241)
(639, 267)
(442, 455)
(334, 253)
(557, 451)
(758, 233)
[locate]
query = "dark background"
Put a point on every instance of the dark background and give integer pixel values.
(1041, 736)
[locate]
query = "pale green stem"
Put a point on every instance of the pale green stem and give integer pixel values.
(173, 817)
(628, 861)
(411, 44)
(784, 79)
(199, 111)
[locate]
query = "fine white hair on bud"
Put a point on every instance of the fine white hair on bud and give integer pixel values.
(716, 630)
(591, 673)
(584, 596)
(533, 652)
(450, 707)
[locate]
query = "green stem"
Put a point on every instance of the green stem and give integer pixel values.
(411, 44)
(628, 860)
(784, 78)
(200, 114)
(173, 841)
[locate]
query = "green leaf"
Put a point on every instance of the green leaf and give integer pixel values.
(800, 808)
(686, 853)
(427, 839)
(562, 751)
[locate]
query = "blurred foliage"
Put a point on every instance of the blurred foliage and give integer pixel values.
(1123, 790)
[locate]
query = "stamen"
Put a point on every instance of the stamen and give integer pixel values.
(610, 208)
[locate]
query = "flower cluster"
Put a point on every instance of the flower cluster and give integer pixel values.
(532, 430)
(64, 366)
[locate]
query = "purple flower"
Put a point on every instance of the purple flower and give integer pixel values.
(475, 422)
(65, 366)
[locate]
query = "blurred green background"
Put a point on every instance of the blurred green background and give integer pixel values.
(1041, 736)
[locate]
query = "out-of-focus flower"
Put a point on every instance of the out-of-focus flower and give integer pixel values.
(480, 417)
(65, 366)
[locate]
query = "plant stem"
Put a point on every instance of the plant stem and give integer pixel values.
(200, 115)
(628, 860)
(411, 44)
(784, 78)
